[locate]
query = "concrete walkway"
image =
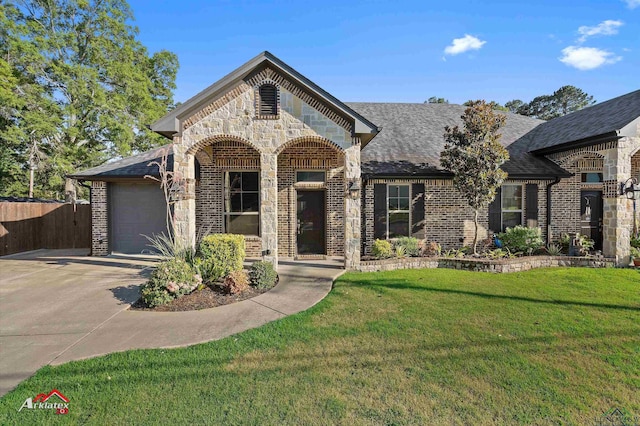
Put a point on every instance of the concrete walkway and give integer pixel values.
(60, 305)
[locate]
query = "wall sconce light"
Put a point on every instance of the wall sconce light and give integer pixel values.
(354, 189)
(630, 189)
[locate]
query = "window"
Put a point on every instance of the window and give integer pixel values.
(398, 211)
(310, 176)
(268, 100)
(511, 206)
(591, 177)
(242, 203)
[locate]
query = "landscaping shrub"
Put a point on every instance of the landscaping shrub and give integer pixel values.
(584, 243)
(411, 245)
(432, 249)
(262, 275)
(522, 239)
(170, 279)
(401, 252)
(554, 249)
(221, 254)
(236, 282)
(635, 242)
(381, 249)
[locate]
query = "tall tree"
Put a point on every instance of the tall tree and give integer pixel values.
(493, 104)
(87, 87)
(436, 100)
(563, 101)
(474, 155)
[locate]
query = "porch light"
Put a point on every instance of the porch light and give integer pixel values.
(354, 189)
(631, 189)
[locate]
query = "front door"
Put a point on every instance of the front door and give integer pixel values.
(310, 222)
(591, 216)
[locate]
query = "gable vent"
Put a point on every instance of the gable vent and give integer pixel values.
(268, 99)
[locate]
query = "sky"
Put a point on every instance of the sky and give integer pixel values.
(407, 51)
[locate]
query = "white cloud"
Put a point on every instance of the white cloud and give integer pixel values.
(464, 44)
(632, 4)
(608, 27)
(587, 58)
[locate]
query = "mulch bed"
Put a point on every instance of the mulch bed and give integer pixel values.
(209, 297)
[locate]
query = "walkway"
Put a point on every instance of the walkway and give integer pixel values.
(60, 305)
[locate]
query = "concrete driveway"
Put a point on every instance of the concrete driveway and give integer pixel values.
(50, 300)
(60, 305)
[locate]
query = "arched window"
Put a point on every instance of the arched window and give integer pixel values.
(268, 100)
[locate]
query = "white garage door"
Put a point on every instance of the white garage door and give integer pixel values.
(135, 210)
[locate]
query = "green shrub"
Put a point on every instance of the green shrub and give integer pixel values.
(554, 249)
(635, 242)
(411, 245)
(170, 279)
(584, 243)
(522, 239)
(262, 275)
(635, 253)
(236, 282)
(400, 251)
(381, 249)
(221, 254)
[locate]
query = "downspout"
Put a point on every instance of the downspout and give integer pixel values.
(549, 209)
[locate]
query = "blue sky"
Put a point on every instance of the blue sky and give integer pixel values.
(407, 51)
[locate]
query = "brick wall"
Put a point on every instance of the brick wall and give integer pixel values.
(448, 219)
(99, 219)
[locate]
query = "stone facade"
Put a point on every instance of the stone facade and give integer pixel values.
(229, 134)
(99, 219)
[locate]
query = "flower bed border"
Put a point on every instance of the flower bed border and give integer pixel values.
(486, 265)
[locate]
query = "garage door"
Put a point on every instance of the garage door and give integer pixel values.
(135, 209)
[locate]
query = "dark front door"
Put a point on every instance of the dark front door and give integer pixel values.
(591, 216)
(310, 222)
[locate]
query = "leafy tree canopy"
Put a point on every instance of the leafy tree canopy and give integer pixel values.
(563, 101)
(76, 88)
(493, 104)
(436, 100)
(474, 155)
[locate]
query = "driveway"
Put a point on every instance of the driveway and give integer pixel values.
(61, 305)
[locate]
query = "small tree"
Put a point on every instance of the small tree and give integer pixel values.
(474, 155)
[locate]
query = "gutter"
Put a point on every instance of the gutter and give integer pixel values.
(549, 209)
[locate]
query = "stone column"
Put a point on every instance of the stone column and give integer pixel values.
(184, 209)
(617, 213)
(352, 206)
(269, 207)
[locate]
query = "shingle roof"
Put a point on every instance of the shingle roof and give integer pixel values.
(135, 166)
(604, 119)
(412, 138)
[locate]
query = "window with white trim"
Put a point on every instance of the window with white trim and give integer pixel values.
(398, 205)
(242, 203)
(511, 206)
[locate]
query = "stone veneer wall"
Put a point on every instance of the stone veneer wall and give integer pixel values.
(99, 219)
(233, 117)
(448, 219)
(483, 265)
(310, 155)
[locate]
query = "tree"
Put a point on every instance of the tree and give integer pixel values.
(563, 101)
(436, 100)
(87, 88)
(474, 156)
(493, 104)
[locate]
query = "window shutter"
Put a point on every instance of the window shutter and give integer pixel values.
(495, 212)
(417, 211)
(268, 99)
(380, 211)
(531, 209)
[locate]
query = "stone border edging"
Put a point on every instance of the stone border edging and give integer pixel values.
(485, 265)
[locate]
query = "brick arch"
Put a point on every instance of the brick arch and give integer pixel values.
(571, 159)
(311, 140)
(217, 139)
(202, 157)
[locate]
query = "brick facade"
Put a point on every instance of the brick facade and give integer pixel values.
(99, 219)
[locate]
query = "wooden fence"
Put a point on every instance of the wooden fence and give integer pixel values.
(32, 226)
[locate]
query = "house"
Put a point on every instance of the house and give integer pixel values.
(267, 153)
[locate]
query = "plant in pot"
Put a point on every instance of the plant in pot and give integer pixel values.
(635, 255)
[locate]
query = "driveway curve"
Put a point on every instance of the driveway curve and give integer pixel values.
(62, 305)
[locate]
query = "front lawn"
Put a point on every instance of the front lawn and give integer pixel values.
(404, 347)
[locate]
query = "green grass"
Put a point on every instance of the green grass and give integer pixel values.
(553, 346)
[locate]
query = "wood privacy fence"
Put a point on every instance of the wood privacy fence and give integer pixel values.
(32, 226)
